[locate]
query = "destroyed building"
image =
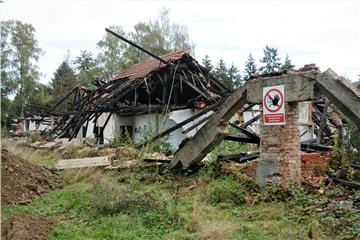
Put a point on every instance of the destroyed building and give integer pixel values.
(149, 97)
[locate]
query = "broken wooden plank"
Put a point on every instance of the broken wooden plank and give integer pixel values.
(83, 162)
(251, 121)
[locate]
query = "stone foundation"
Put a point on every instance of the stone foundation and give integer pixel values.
(280, 150)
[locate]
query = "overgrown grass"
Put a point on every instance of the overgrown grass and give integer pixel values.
(144, 204)
(39, 157)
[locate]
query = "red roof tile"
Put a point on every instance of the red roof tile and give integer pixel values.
(143, 69)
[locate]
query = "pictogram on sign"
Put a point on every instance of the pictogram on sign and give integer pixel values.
(273, 105)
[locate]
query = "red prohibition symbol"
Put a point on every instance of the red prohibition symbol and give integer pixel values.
(276, 101)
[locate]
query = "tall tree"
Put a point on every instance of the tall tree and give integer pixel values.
(287, 65)
(234, 75)
(111, 53)
(62, 83)
(250, 67)
(207, 63)
(221, 72)
(271, 61)
(87, 69)
(160, 36)
(20, 52)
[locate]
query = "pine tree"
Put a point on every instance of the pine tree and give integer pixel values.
(207, 63)
(234, 76)
(287, 65)
(63, 82)
(271, 61)
(221, 72)
(250, 67)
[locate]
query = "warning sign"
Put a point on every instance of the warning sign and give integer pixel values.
(274, 105)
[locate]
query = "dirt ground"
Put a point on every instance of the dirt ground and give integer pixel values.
(21, 181)
(24, 227)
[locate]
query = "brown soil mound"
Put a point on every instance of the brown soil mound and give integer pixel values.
(21, 181)
(23, 227)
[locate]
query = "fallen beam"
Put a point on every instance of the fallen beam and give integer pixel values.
(211, 134)
(151, 160)
(239, 158)
(186, 121)
(347, 183)
(339, 94)
(242, 138)
(83, 162)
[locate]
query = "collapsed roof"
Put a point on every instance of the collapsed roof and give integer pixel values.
(150, 86)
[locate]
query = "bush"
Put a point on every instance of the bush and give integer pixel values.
(160, 145)
(35, 137)
(227, 191)
(110, 198)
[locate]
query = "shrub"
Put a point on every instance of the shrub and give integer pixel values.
(226, 190)
(160, 145)
(110, 198)
(35, 137)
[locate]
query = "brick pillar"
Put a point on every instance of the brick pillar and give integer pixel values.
(280, 150)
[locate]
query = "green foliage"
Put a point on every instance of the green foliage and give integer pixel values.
(159, 145)
(19, 72)
(355, 143)
(62, 83)
(270, 61)
(159, 36)
(73, 151)
(123, 141)
(287, 65)
(339, 159)
(228, 147)
(35, 137)
(225, 191)
(250, 67)
(87, 68)
(206, 61)
(221, 72)
(110, 57)
(113, 199)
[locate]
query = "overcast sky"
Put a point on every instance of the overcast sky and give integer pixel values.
(325, 32)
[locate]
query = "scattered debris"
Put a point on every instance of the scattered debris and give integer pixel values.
(83, 162)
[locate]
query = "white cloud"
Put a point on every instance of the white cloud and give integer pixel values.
(323, 32)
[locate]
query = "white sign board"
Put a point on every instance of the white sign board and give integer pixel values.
(274, 105)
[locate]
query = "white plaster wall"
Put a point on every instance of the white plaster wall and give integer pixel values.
(32, 126)
(143, 123)
(248, 115)
(305, 123)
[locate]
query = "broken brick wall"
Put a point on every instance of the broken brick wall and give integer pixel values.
(313, 164)
(280, 150)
